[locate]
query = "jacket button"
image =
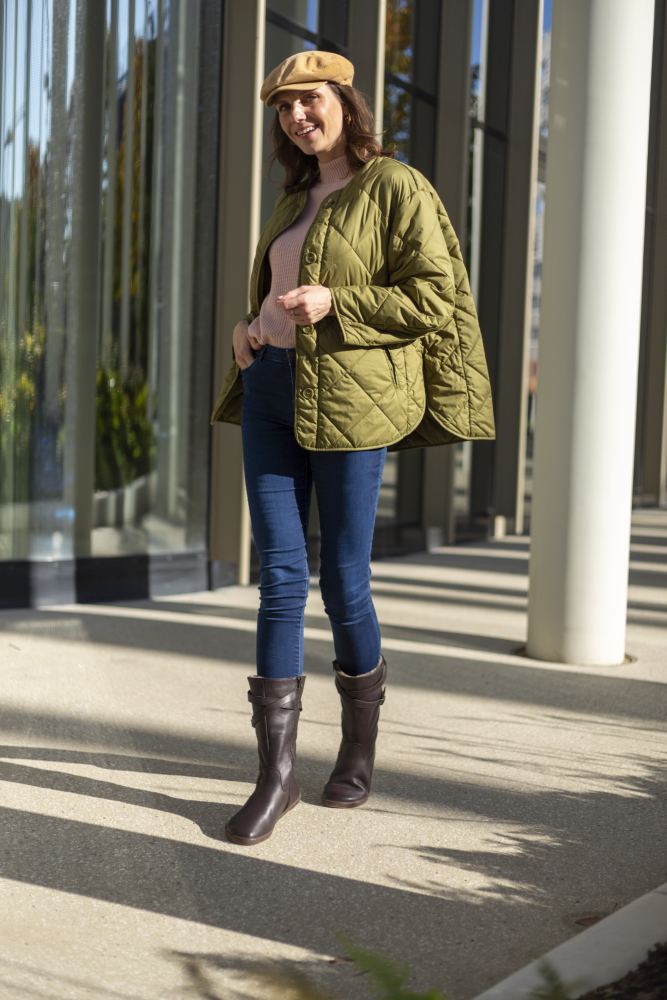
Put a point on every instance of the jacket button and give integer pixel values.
(310, 257)
(307, 393)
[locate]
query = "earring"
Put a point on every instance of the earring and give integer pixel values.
(348, 119)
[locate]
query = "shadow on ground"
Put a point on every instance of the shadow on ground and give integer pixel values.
(540, 883)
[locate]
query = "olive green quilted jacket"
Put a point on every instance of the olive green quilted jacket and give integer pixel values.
(401, 363)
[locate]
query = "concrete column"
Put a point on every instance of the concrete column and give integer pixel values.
(239, 208)
(589, 337)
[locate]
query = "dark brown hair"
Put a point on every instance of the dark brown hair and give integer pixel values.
(301, 170)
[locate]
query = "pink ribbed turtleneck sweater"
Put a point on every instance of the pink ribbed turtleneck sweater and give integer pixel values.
(273, 325)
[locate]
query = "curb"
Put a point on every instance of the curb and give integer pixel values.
(597, 956)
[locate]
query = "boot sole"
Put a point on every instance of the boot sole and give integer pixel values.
(249, 841)
(333, 804)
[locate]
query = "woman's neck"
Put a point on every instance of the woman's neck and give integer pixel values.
(334, 170)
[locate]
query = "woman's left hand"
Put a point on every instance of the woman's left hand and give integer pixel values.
(307, 303)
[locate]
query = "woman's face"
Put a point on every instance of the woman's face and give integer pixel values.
(313, 120)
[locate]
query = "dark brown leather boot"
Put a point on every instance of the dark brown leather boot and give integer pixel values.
(361, 696)
(276, 706)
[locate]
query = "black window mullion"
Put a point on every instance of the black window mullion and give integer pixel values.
(280, 21)
(411, 88)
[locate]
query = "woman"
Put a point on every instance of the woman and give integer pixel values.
(362, 337)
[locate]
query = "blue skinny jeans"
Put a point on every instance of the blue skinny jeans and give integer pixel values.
(279, 475)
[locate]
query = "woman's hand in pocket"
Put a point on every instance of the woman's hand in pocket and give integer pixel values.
(244, 342)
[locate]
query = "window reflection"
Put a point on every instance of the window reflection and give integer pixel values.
(303, 12)
(104, 346)
(410, 104)
(399, 38)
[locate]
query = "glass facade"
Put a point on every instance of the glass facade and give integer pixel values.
(108, 172)
(410, 105)
(411, 80)
(538, 250)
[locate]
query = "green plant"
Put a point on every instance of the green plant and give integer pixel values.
(124, 443)
(20, 372)
(388, 977)
(552, 988)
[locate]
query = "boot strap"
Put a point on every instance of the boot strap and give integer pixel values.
(265, 701)
(360, 702)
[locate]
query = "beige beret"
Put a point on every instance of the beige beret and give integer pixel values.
(306, 70)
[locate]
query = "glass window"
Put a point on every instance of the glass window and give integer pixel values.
(397, 119)
(303, 12)
(538, 252)
(106, 311)
(410, 104)
(323, 20)
(463, 457)
(399, 45)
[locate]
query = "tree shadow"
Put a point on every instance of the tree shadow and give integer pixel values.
(551, 854)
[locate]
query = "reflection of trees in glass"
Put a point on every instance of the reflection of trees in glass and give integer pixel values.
(398, 61)
(141, 122)
(474, 90)
(124, 445)
(22, 357)
(124, 436)
(33, 356)
(398, 46)
(397, 114)
(18, 402)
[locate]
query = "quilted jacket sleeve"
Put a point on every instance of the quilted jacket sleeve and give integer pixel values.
(420, 295)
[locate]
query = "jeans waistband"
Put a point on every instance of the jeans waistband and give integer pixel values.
(274, 353)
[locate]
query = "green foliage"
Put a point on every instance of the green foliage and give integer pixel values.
(125, 443)
(399, 54)
(20, 367)
(398, 37)
(388, 977)
(553, 987)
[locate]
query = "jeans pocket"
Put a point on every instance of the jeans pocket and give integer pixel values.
(258, 355)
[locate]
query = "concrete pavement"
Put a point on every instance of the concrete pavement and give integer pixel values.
(515, 802)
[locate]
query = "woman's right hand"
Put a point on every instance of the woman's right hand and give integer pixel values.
(243, 342)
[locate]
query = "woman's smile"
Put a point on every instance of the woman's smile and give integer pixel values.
(304, 131)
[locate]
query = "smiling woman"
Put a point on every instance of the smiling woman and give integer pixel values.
(313, 121)
(358, 254)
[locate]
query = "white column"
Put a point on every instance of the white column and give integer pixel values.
(589, 333)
